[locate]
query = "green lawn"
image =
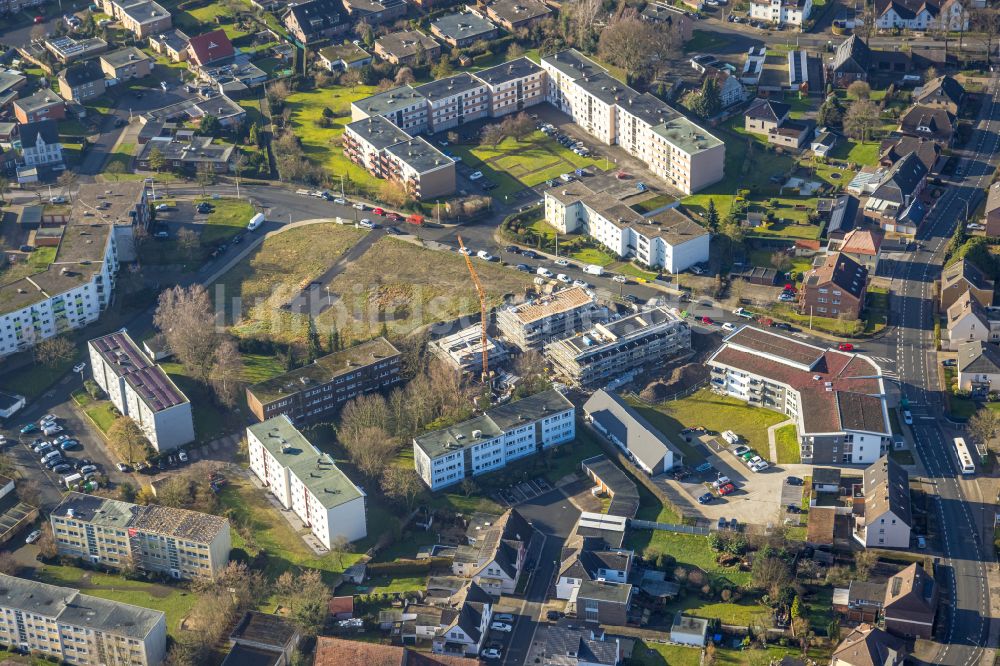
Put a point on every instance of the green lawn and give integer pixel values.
(259, 368)
(703, 40)
(788, 312)
(34, 379)
(387, 585)
(321, 144)
(175, 602)
(714, 412)
(210, 421)
(876, 311)
(514, 165)
(103, 414)
(662, 654)
(631, 270)
(856, 152)
(229, 217)
(786, 440)
(690, 550)
(593, 256)
(740, 613)
(763, 258)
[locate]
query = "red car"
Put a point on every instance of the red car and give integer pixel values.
(845, 346)
(393, 217)
(39, 19)
(378, 211)
(727, 489)
(707, 320)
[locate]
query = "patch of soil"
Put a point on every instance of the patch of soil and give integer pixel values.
(681, 379)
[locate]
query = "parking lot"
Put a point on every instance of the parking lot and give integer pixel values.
(758, 498)
(522, 492)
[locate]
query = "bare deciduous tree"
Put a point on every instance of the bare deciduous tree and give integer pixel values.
(864, 562)
(401, 484)
(860, 119)
(983, 428)
(128, 441)
(187, 243)
(371, 449)
(492, 135)
(859, 90)
(987, 23)
(185, 317)
(637, 46)
(226, 377)
(53, 351)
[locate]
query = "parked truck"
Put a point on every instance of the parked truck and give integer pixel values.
(593, 269)
(255, 221)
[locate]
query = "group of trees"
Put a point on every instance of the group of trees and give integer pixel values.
(186, 319)
(641, 48)
(708, 101)
(518, 126)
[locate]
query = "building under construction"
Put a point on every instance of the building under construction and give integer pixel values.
(464, 350)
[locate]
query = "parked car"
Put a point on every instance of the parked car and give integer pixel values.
(87, 469)
(706, 498)
(490, 653)
(503, 617)
(70, 445)
(339, 200)
(122, 467)
(360, 206)
(182, 456)
(728, 327)
(727, 489)
(580, 283)
(845, 347)
(484, 255)
(620, 278)
(553, 615)
(62, 468)
(740, 450)
(562, 277)
(34, 536)
(524, 268)
(730, 437)
(949, 363)
(52, 429)
(501, 626)
(760, 466)
(907, 417)
(366, 224)
(707, 320)
(561, 262)
(721, 481)
(921, 542)
(79, 367)
(786, 297)
(794, 481)
(475, 175)
(48, 418)
(792, 508)
(466, 251)
(44, 447)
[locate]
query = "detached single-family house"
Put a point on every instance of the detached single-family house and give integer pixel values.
(644, 445)
(464, 632)
(407, 47)
(82, 81)
(126, 64)
(823, 143)
(791, 134)
(911, 599)
(899, 189)
(731, 90)
(943, 92)
(765, 115)
(967, 320)
(39, 143)
(885, 515)
(929, 122)
(867, 645)
(342, 57)
(316, 21)
(603, 602)
(978, 367)
(209, 48)
(581, 564)
(44, 104)
(496, 558)
(894, 149)
(964, 276)
(514, 14)
(854, 61)
(835, 289)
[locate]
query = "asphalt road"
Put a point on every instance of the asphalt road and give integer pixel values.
(958, 507)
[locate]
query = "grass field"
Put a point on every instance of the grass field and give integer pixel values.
(102, 413)
(631, 270)
(786, 440)
(763, 258)
(690, 550)
(594, 256)
(229, 217)
(275, 272)
(514, 165)
(714, 412)
(175, 602)
(259, 368)
(34, 379)
(406, 287)
(210, 421)
(321, 144)
(662, 654)
(742, 613)
(856, 152)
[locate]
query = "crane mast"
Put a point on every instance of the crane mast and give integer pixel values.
(482, 309)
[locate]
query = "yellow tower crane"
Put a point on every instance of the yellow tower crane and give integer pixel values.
(482, 309)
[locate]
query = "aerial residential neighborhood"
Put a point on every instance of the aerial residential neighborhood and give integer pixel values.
(515, 332)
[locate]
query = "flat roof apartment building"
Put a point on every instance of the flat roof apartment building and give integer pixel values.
(181, 543)
(327, 383)
(612, 349)
(675, 149)
(488, 442)
(75, 628)
(532, 324)
(77, 286)
(142, 391)
(837, 399)
(306, 481)
(668, 239)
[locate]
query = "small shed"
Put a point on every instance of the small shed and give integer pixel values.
(826, 480)
(689, 630)
(341, 608)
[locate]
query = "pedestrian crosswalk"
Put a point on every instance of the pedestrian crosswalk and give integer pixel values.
(883, 360)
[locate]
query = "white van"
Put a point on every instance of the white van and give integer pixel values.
(593, 269)
(50, 455)
(256, 221)
(544, 272)
(731, 437)
(68, 481)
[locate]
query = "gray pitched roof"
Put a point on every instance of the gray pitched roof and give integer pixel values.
(887, 488)
(639, 436)
(765, 109)
(978, 357)
(47, 129)
(943, 88)
(968, 271)
(901, 180)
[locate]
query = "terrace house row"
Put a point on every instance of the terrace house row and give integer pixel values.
(490, 441)
(837, 399)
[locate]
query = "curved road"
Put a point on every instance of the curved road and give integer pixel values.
(967, 627)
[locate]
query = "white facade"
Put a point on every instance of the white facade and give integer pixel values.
(645, 243)
(950, 15)
(306, 481)
(55, 313)
(136, 389)
(445, 457)
(781, 12)
(42, 153)
(886, 530)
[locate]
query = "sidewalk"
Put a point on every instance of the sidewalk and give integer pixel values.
(772, 443)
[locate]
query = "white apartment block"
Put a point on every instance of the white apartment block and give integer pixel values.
(142, 391)
(74, 290)
(781, 12)
(513, 86)
(837, 399)
(306, 481)
(180, 543)
(63, 624)
(675, 149)
(455, 100)
(488, 442)
(668, 239)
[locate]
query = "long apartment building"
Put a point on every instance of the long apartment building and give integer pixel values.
(306, 481)
(141, 390)
(434, 107)
(177, 542)
(490, 441)
(674, 148)
(63, 624)
(324, 385)
(837, 399)
(73, 290)
(612, 349)
(533, 323)
(666, 239)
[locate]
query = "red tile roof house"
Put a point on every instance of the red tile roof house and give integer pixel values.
(209, 48)
(836, 399)
(864, 246)
(341, 608)
(836, 289)
(911, 599)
